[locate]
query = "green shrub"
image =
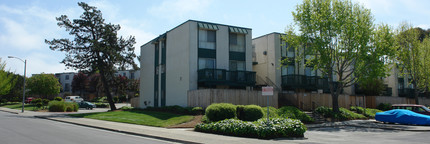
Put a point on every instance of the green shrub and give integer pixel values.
(127, 108)
(58, 99)
(384, 106)
(294, 113)
(45, 101)
(276, 128)
(61, 106)
(3, 101)
(273, 112)
(115, 99)
(220, 111)
(35, 101)
(39, 104)
(56, 106)
(101, 105)
(344, 114)
(370, 113)
(249, 112)
(205, 119)
(197, 110)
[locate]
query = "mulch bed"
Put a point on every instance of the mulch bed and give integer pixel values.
(197, 119)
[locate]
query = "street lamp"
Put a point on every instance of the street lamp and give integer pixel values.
(23, 93)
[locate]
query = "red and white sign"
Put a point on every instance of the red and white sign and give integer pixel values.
(267, 91)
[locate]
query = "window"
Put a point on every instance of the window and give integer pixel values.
(237, 42)
(237, 65)
(284, 70)
(67, 87)
(123, 74)
(309, 71)
(132, 75)
(290, 52)
(290, 69)
(206, 63)
(207, 39)
(67, 77)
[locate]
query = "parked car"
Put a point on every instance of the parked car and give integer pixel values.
(86, 105)
(402, 116)
(73, 99)
(28, 100)
(412, 107)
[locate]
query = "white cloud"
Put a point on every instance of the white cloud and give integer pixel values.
(19, 36)
(179, 9)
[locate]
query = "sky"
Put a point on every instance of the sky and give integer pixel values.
(25, 24)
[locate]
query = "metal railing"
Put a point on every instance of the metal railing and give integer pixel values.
(305, 82)
(225, 77)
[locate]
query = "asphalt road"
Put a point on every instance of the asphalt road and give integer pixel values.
(18, 129)
(356, 135)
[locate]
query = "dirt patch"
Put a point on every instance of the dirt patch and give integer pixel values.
(197, 119)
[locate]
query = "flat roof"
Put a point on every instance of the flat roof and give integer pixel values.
(193, 21)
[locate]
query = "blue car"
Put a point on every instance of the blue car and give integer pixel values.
(402, 116)
(86, 105)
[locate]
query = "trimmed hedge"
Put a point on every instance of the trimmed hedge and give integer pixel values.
(61, 106)
(276, 128)
(273, 112)
(249, 112)
(294, 113)
(101, 105)
(220, 111)
(58, 99)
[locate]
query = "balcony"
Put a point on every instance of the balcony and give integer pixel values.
(214, 77)
(310, 83)
(406, 92)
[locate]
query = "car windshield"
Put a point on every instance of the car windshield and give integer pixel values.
(427, 109)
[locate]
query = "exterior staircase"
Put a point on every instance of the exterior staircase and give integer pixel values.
(318, 118)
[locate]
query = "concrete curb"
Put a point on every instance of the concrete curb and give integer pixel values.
(120, 131)
(9, 111)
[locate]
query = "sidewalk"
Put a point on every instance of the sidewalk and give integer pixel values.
(190, 136)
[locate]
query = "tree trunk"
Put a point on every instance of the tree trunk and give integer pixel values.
(335, 102)
(416, 93)
(106, 88)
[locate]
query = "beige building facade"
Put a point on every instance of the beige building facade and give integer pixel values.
(195, 55)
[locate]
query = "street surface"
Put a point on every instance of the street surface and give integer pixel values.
(18, 129)
(356, 135)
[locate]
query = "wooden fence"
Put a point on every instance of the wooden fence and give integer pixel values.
(310, 101)
(205, 97)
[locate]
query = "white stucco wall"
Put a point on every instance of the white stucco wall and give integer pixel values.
(147, 75)
(177, 66)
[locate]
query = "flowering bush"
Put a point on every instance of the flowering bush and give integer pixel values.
(275, 128)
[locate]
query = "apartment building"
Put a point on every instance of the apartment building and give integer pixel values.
(195, 55)
(293, 76)
(65, 80)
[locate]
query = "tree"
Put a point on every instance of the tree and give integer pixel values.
(342, 42)
(413, 51)
(79, 82)
(96, 46)
(43, 85)
(121, 85)
(7, 80)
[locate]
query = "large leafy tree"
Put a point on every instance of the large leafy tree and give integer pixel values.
(79, 82)
(7, 80)
(342, 42)
(96, 46)
(413, 51)
(43, 85)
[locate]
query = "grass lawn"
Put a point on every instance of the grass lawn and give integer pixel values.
(28, 107)
(140, 117)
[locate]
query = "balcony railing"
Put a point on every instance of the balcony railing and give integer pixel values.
(292, 82)
(213, 77)
(406, 92)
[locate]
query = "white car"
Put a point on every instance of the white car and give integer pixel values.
(73, 99)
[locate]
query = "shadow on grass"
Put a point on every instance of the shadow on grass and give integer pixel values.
(158, 115)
